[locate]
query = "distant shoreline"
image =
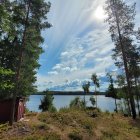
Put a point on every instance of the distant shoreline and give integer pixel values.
(69, 93)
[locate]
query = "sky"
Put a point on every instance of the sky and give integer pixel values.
(77, 45)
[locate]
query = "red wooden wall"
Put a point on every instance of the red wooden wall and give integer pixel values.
(5, 110)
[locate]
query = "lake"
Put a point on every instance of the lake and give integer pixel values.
(104, 103)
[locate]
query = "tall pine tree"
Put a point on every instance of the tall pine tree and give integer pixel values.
(121, 25)
(21, 45)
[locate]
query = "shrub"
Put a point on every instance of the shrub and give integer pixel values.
(77, 103)
(64, 109)
(42, 126)
(43, 117)
(52, 109)
(93, 112)
(92, 99)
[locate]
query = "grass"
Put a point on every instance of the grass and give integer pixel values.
(73, 124)
(75, 135)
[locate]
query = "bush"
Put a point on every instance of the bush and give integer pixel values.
(77, 103)
(43, 117)
(52, 109)
(64, 109)
(42, 126)
(92, 99)
(47, 102)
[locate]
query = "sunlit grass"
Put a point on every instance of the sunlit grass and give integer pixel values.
(74, 124)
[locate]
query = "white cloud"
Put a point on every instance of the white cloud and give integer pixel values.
(53, 73)
(78, 44)
(57, 66)
(90, 48)
(64, 54)
(81, 57)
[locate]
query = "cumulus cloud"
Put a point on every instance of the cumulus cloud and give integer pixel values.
(81, 57)
(83, 52)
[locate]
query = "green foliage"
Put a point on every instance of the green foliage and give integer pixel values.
(5, 18)
(96, 83)
(123, 107)
(41, 126)
(77, 103)
(93, 112)
(126, 54)
(47, 102)
(120, 107)
(6, 83)
(120, 80)
(95, 80)
(43, 116)
(92, 99)
(73, 118)
(21, 23)
(111, 91)
(6, 75)
(64, 109)
(86, 87)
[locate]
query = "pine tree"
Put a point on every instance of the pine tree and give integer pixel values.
(120, 81)
(21, 45)
(121, 25)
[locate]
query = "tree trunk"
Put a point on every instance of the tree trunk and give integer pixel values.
(137, 96)
(96, 96)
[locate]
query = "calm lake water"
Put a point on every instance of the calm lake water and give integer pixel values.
(104, 103)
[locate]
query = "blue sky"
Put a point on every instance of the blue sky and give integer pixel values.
(77, 45)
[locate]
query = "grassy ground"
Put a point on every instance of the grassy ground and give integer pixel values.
(70, 124)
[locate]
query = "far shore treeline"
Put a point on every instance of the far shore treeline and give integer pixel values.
(69, 93)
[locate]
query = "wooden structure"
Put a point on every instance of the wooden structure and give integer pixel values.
(5, 109)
